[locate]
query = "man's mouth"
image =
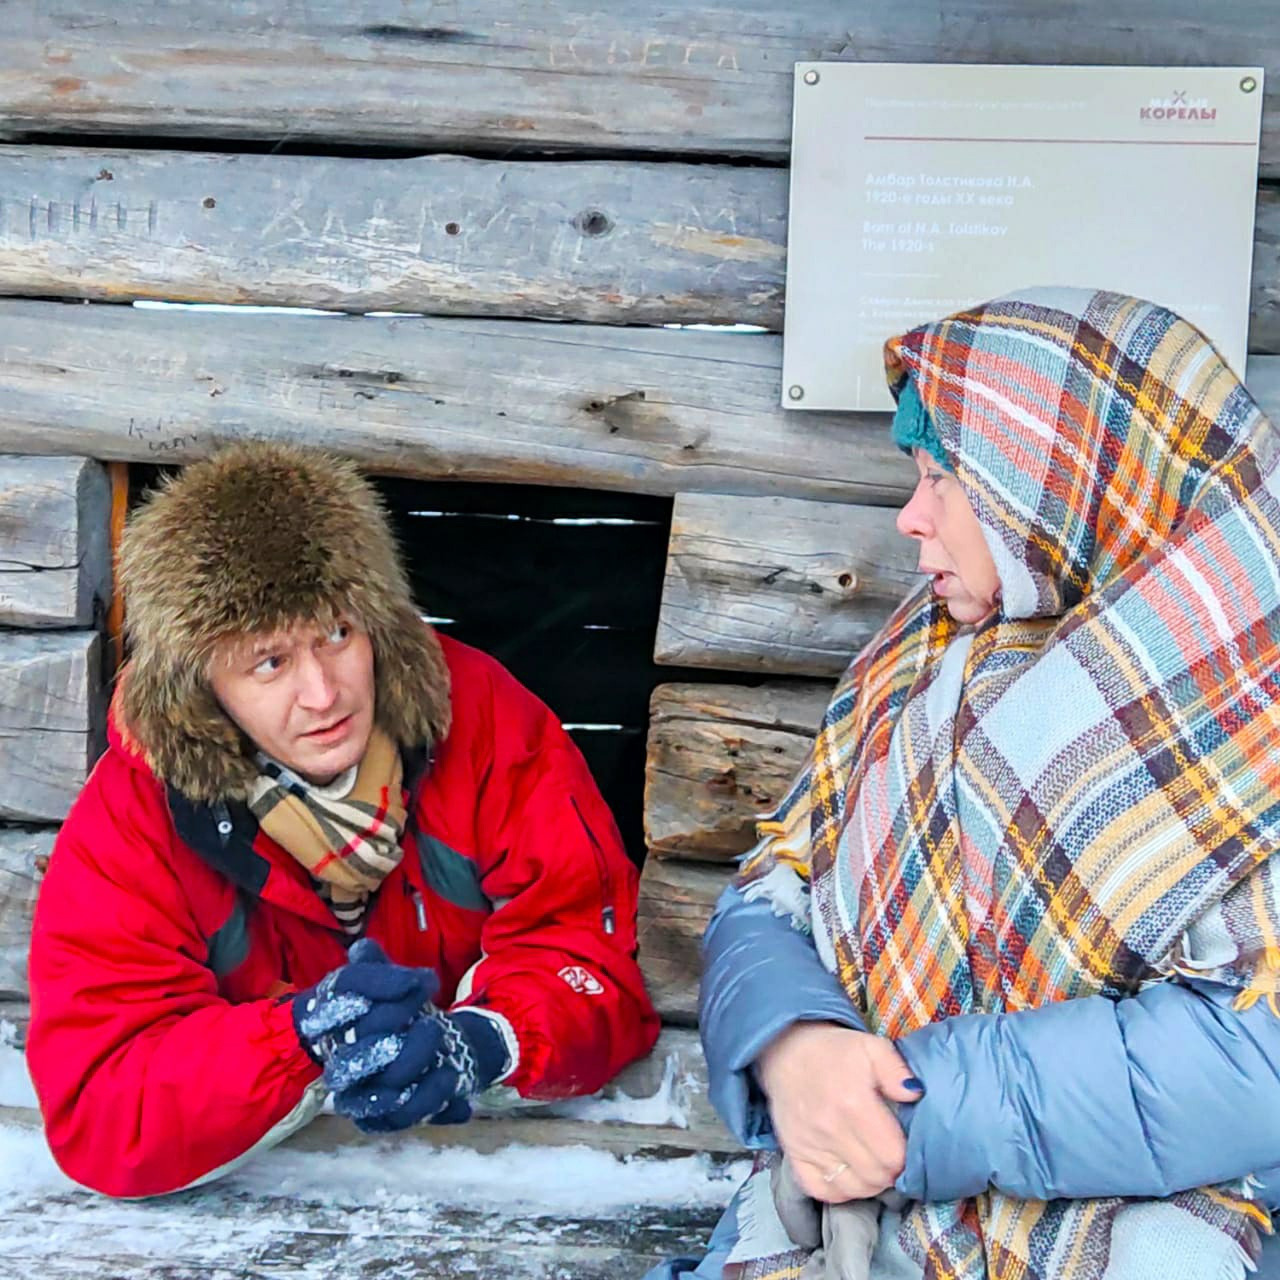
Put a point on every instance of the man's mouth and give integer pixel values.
(332, 730)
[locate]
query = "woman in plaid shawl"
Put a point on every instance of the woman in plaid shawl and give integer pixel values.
(1000, 978)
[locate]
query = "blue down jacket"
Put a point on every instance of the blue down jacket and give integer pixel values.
(1147, 1096)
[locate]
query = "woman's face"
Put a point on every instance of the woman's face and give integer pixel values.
(952, 549)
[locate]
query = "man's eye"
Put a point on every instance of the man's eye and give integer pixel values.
(339, 633)
(269, 666)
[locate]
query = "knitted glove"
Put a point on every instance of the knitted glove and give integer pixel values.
(367, 996)
(429, 1072)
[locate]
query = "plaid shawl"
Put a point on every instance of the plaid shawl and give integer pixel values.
(1082, 794)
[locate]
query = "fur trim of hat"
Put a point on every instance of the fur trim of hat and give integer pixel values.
(254, 539)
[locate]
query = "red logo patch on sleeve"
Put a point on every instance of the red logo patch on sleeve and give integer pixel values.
(583, 981)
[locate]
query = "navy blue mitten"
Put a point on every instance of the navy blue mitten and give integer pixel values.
(367, 996)
(430, 1071)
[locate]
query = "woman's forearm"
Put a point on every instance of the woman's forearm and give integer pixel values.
(1147, 1096)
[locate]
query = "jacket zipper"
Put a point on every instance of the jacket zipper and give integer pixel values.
(608, 918)
(419, 905)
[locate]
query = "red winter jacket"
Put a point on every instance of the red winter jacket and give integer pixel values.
(166, 934)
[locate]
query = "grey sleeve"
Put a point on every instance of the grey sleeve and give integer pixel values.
(760, 976)
(1147, 1096)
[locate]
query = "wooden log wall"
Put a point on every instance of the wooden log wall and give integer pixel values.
(720, 756)
(55, 583)
(537, 190)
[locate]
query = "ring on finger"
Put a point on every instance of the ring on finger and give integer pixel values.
(836, 1172)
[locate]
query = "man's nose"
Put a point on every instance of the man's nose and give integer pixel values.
(316, 688)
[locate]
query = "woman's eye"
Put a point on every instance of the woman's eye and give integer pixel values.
(269, 666)
(338, 634)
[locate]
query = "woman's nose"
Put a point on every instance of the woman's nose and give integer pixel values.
(913, 521)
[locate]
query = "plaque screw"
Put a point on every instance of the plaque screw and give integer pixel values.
(1248, 84)
(796, 392)
(811, 77)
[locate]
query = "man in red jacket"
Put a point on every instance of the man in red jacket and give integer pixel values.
(298, 765)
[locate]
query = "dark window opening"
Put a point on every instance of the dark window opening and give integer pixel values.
(563, 587)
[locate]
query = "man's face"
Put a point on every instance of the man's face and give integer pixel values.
(304, 696)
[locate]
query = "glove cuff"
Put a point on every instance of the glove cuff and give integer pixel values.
(493, 1057)
(298, 1009)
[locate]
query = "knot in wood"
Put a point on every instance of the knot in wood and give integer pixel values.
(593, 222)
(848, 581)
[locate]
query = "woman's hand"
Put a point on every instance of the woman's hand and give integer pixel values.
(829, 1090)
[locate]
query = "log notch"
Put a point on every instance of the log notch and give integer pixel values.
(52, 718)
(777, 584)
(719, 757)
(55, 554)
(501, 75)
(23, 857)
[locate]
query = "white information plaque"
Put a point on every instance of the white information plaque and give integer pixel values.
(917, 190)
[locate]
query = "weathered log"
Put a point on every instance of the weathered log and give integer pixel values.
(668, 1087)
(614, 242)
(610, 242)
(23, 857)
(640, 410)
(52, 720)
(55, 552)
(676, 901)
(408, 1214)
(500, 75)
(720, 755)
(17, 1015)
(778, 584)
(643, 410)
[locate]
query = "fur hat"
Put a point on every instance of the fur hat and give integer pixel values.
(254, 539)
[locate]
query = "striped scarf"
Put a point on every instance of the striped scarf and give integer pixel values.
(349, 843)
(1081, 795)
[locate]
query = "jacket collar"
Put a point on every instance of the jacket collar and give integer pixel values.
(226, 837)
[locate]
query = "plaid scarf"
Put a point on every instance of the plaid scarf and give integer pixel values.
(1081, 795)
(349, 843)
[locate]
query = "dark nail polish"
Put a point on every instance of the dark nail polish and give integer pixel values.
(912, 1083)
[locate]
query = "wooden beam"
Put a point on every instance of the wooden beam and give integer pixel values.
(708, 79)
(609, 242)
(672, 1080)
(405, 1217)
(639, 410)
(52, 720)
(55, 555)
(23, 857)
(642, 410)
(676, 901)
(778, 584)
(720, 755)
